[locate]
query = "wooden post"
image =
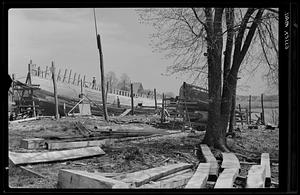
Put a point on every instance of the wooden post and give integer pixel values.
(81, 87)
(74, 78)
(58, 75)
(65, 109)
(70, 76)
(163, 108)
(241, 115)
(55, 91)
(106, 91)
(13, 86)
(33, 105)
(102, 77)
(155, 101)
(65, 75)
(131, 93)
(250, 109)
(83, 82)
(247, 116)
(78, 79)
(46, 72)
(39, 71)
(262, 110)
(28, 79)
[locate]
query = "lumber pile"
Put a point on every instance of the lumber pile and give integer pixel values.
(139, 179)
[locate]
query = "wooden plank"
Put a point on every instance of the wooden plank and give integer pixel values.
(227, 178)
(23, 120)
(142, 177)
(32, 143)
(256, 177)
(230, 161)
(200, 177)
(28, 158)
(209, 158)
(31, 172)
(78, 144)
(74, 179)
(265, 161)
(125, 112)
(177, 181)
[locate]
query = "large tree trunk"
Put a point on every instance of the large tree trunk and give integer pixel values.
(232, 112)
(214, 136)
(220, 106)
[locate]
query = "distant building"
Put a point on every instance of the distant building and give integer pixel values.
(137, 88)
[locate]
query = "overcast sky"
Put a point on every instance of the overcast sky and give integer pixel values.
(67, 36)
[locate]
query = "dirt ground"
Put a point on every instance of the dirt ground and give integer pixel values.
(131, 156)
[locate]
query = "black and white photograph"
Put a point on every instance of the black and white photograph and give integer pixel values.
(143, 98)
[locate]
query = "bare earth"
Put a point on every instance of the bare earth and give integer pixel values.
(131, 156)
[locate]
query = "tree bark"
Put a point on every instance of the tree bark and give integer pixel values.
(232, 112)
(214, 136)
(230, 83)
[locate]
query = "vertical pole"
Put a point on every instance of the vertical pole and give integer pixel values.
(83, 82)
(131, 93)
(78, 80)
(33, 105)
(65, 109)
(155, 101)
(55, 91)
(106, 91)
(65, 75)
(81, 87)
(28, 79)
(101, 69)
(102, 77)
(247, 116)
(262, 110)
(74, 78)
(250, 109)
(241, 115)
(39, 71)
(163, 108)
(13, 85)
(58, 75)
(70, 76)
(46, 73)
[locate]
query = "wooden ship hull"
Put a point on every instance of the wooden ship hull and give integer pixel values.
(193, 103)
(69, 90)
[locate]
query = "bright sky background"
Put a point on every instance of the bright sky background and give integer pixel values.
(67, 36)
